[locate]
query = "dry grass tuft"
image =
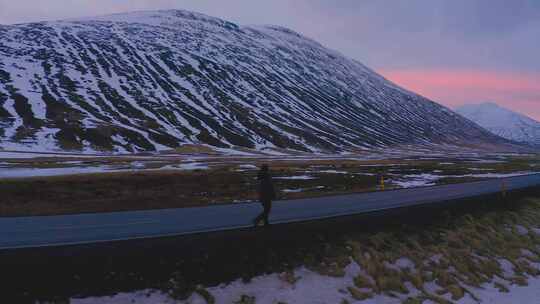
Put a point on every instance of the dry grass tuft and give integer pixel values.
(362, 281)
(245, 299)
(359, 295)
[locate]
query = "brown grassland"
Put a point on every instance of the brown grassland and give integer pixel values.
(225, 181)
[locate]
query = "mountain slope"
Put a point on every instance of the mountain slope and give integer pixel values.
(503, 122)
(156, 80)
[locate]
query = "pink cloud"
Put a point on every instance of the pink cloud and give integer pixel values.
(517, 91)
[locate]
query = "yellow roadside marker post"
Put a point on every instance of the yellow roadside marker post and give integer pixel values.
(382, 182)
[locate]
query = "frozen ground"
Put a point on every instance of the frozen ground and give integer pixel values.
(188, 166)
(298, 177)
(301, 189)
(40, 172)
(399, 171)
(416, 180)
(427, 179)
(30, 155)
(77, 167)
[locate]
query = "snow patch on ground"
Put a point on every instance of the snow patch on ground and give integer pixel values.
(247, 167)
(365, 174)
(298, 177)
(498, 175)
(417, 180)
(21, 172)
(43, 172)
(426, 179)
(382, 165)
(333, 172)
(139, 297)
(404, 263)
(292, 190)
(507, 267)
(233, 152)
(487, 161)
(193, 166)
(311, 288)
(28, 155)
(301, 189)
(138, 165)
(522, 230)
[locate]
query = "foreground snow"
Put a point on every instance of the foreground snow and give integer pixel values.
(313, 288)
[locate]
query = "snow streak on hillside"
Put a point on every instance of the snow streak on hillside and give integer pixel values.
(150, 81)
(503, 122)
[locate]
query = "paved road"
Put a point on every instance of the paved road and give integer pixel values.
(29, 232)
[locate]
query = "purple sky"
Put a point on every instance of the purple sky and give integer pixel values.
(453, 51)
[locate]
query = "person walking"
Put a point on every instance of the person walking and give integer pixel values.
(266, 195)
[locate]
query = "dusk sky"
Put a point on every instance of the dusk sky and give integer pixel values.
(452, 51)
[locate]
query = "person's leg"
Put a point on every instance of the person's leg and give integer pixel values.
(266, 212)
(259, 217)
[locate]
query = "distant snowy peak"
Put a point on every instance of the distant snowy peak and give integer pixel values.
(503, 122)
(168, 18)
(148, 81)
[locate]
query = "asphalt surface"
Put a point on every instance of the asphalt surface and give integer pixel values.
(34, 232)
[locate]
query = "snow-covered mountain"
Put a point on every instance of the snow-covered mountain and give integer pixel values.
(155, 80)
(503, 122)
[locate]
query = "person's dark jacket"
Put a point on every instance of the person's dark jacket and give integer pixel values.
(266, 188)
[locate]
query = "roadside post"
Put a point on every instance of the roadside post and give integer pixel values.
(382, 182)
(503, 188)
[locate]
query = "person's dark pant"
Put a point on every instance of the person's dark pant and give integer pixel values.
(265, 214)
